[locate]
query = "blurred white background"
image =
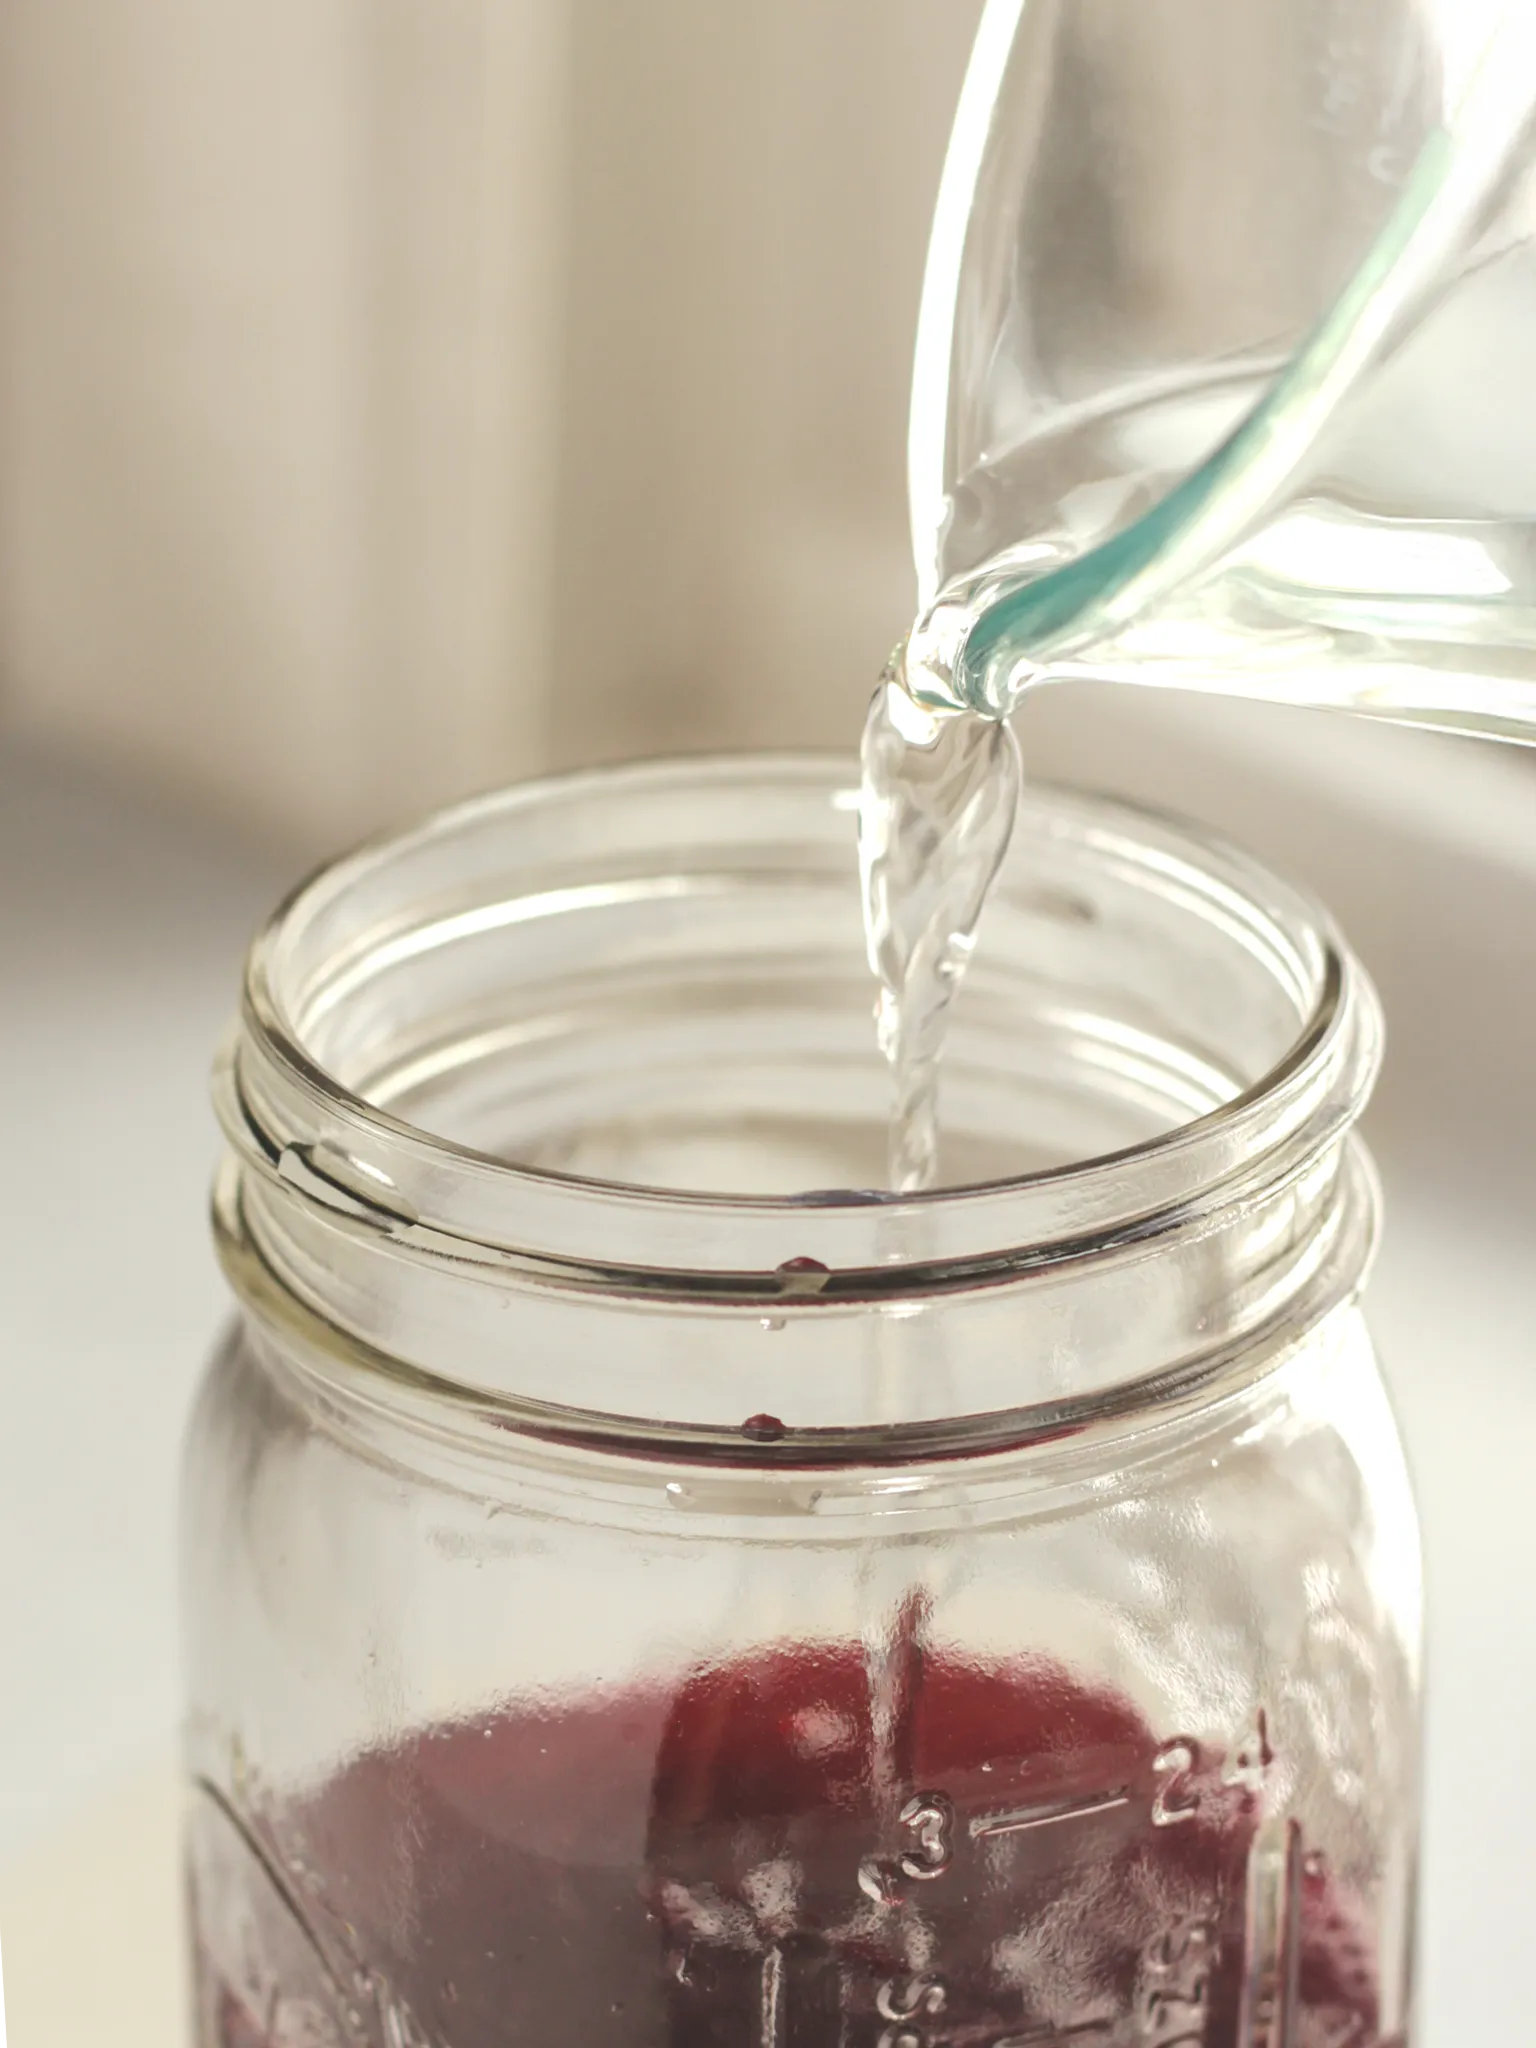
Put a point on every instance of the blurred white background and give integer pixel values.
(401, 395)
(398, 394)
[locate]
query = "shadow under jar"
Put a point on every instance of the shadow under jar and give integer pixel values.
(620, 1612)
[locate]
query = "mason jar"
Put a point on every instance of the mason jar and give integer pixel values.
(645, 1585)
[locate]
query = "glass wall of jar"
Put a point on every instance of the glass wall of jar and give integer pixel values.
(645, 1586)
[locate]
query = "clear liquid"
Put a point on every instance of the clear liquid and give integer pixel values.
(936, 809)
(1396, 578)
(1191, 530)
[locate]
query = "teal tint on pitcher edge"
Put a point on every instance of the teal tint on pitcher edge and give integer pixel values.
(1221, 376)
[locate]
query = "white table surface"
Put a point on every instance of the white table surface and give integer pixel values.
(120, 941)
(120, 934)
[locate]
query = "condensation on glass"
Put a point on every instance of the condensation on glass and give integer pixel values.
(644, 1587)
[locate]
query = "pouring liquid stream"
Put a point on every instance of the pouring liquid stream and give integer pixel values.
(1352, 529)
(936, 809)
(1337, 513)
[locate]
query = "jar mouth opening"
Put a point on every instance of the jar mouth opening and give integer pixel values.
(316, 1086)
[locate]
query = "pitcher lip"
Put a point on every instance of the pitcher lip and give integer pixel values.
(298, 1127)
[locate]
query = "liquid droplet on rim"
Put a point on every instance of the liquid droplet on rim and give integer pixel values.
(763, 1429)
(803, 1276)
(772, 1322)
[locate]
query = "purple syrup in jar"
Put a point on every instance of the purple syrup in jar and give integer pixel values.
(746, 1860)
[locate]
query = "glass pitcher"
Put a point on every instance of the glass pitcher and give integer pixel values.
(1224, 359)
(624, 1613)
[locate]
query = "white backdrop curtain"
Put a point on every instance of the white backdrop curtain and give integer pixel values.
(400, 394)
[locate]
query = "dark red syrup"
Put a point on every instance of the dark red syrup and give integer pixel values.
(790, 1851)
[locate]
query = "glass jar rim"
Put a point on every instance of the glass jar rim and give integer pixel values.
(293, 1121)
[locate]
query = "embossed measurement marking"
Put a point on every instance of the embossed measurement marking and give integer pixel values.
(1171, 2007)
(773, 1998)
(1272, 1937)
(900, 2003)
(1060, 2037)
(930, 1818)
(1174, 1765)
(1015, 1819)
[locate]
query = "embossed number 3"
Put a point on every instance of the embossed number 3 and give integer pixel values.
(931, 1819)
(898, 2005)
